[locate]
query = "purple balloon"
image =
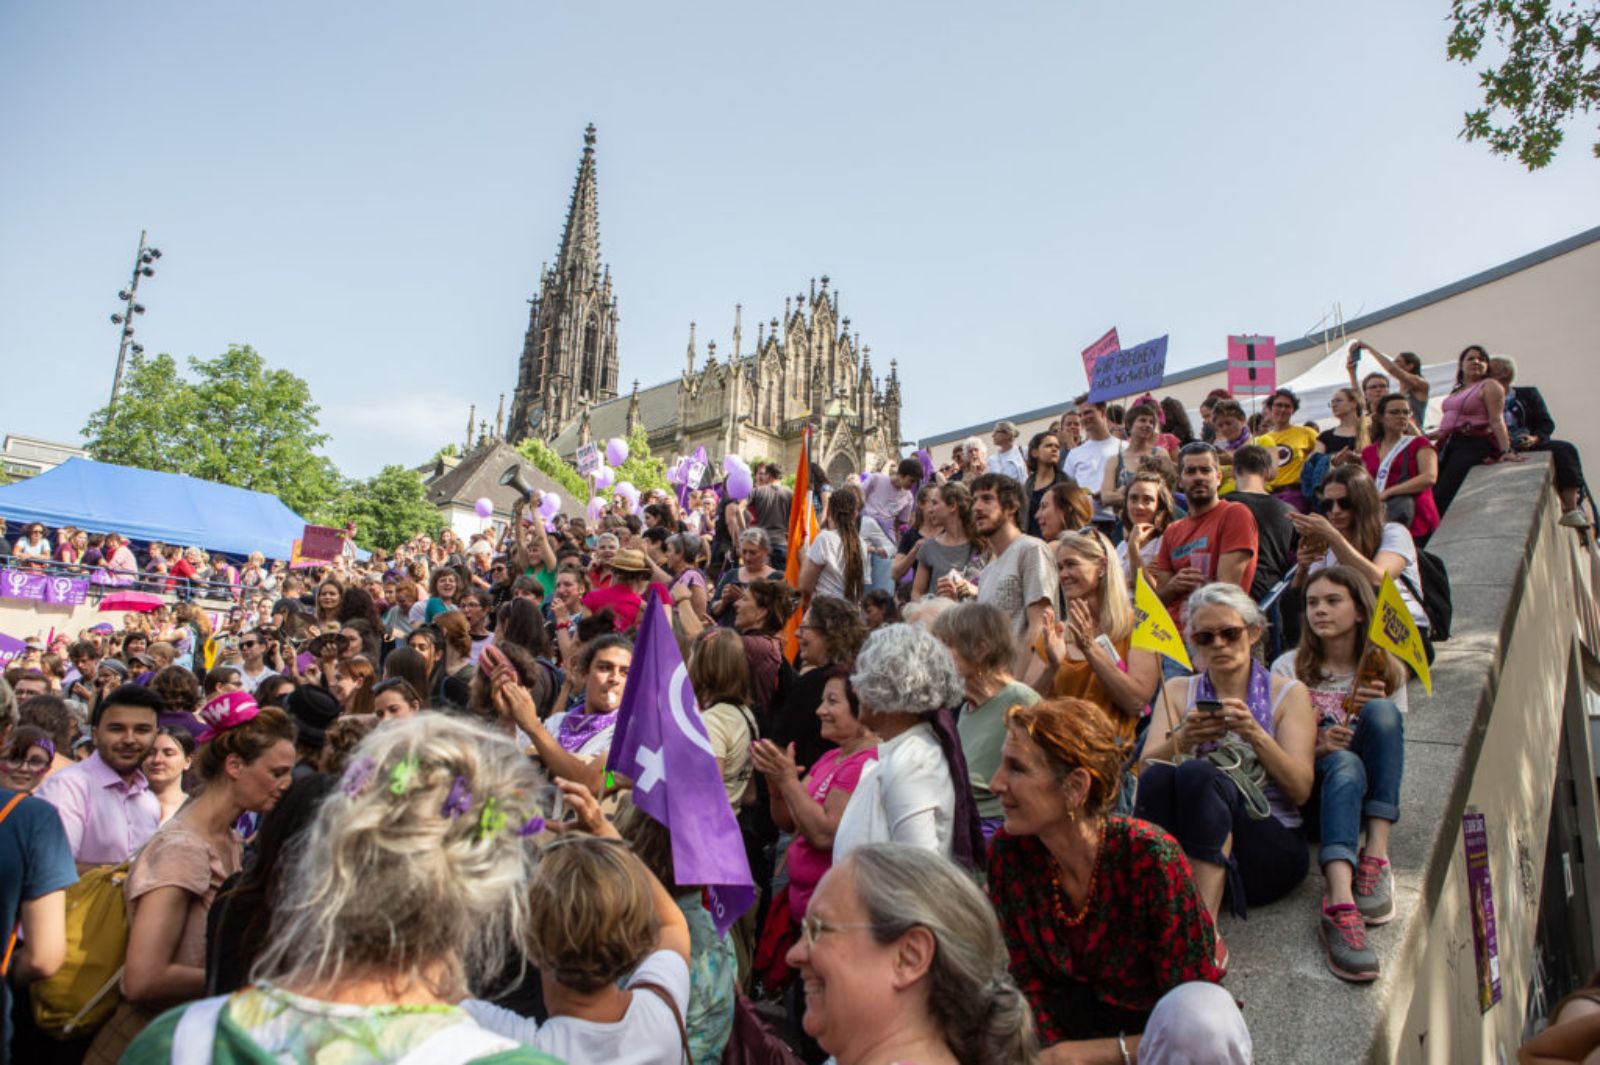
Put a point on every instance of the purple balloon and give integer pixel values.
(604, 476)
(739, 484)
(627, 491)
(731, 463)
(484, 507)
(617, 451)
(549, 505)
(597, 508)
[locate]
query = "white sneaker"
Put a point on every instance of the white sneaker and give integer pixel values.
(1575, 519)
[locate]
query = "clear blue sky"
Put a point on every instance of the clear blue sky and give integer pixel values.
(365, 192)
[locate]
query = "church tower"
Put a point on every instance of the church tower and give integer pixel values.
(569, 356)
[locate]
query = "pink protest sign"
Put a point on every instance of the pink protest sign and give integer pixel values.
(1252, 365)
(321, 542)
(1104, 346)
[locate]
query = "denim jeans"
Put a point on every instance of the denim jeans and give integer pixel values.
(1361, 782)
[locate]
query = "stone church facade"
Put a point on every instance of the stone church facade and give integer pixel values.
(806, 368)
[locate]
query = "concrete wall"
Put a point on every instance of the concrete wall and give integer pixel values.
(1487, 738)
(1546, 315)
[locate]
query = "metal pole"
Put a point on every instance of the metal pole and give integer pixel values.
(127, 327)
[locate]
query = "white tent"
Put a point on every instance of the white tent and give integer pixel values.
(1317, 385)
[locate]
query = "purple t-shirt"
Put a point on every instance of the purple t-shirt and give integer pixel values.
(886, 504)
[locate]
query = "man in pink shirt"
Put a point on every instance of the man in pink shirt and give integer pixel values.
(105, 803)
(890, 497)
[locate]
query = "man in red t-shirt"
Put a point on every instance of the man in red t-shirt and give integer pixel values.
(1216, 542)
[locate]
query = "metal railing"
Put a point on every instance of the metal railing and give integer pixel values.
(103, 581)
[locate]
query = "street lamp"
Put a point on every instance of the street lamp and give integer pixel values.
(131, 307)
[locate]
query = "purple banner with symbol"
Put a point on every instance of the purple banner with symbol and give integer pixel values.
(1480, 900)
(65, 591)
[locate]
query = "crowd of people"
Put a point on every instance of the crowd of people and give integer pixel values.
(364, 813)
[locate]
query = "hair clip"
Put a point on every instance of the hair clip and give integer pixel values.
(531, 827)
(459, 801)
(357, 776)
(491, 820)
(402, 775)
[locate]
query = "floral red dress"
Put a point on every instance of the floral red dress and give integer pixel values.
(1144, 931)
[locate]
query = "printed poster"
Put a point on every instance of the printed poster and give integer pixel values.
(1480, 900)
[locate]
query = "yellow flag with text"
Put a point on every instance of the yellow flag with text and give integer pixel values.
(1395, 630)
(1153, 628)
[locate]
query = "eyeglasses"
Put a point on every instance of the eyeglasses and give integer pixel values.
(1226, 634)
(1341, 502)
(33, 765)
(811, 929)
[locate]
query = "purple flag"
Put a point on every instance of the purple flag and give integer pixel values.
(661, 744)
(694, 469)
(927, 466)
(10, 647)
(20, 585)
(66, 590)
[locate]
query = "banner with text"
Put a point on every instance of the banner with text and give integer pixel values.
(1104, 346)
(322, 542)
(10, 647)
(1480, 900)
(1129, 371)
(1252, 366)
(588, 459)
(43, 588)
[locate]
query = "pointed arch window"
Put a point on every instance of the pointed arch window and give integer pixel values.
(591, 358)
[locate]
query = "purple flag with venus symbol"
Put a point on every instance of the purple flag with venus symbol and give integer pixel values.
(661, 745)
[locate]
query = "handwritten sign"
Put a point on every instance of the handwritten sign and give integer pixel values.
(588, 459)
(321, 542)
(1252, 365)
(1104, 346)
(1129, 371)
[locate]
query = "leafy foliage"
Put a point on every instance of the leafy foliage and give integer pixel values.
(236, 422)
(388, 508)
(1550, 71)
(642, 468)
(544, 457)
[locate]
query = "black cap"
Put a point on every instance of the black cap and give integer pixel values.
(313, 710)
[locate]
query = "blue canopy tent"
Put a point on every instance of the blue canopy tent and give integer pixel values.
(146, 505)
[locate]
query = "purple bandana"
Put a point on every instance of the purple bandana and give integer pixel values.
(578, 728)
(1259, 698)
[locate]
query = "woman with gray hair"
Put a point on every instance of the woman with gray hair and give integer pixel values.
(919, 790)
(755, 564)
(902, 960)
(1228, 759)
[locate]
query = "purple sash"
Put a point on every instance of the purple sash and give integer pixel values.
(578, 728)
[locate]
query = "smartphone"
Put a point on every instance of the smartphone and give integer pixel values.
(1208, 706)
(552, 803)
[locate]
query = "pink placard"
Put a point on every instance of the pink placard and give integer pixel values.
(1252, 365)
(1104, 346)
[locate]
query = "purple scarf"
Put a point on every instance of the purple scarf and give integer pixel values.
(578, 728)
(1258, 697)
(967, 844)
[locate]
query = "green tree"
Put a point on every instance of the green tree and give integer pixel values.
(545, 459)
(236, 422)
(388, 508)
(1549, 73)
(642, 469)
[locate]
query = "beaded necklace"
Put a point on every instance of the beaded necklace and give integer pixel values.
(1060, 893)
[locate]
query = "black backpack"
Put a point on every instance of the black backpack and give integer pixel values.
(1435, 594)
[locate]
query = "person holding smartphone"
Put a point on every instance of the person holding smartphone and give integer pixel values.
(1241, 830)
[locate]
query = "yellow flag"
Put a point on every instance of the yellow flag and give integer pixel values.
(1394, 630)
(1153, 629)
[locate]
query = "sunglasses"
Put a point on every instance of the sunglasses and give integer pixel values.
(1225, 635)
(1341, 502)
(245, 645)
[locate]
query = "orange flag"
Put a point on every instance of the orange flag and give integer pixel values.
(802, 530)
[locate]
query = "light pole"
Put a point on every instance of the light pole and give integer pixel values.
(131, 306)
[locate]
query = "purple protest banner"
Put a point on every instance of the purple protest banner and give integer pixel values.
(10, 647)
(661, 744)
(1480, 903)
(66, 591)
(16, 584)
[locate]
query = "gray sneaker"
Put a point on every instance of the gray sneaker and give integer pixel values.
(1374, 890)
(1348, 954)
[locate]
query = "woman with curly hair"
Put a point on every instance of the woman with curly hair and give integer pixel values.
(831, 633)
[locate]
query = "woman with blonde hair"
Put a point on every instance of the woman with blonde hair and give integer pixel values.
(902, 960)
(1120, 679)
(720, 676)
(409, 889)
(612, 949)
